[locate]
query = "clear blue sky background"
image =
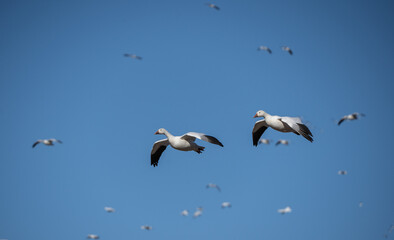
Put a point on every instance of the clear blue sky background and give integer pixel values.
(63, 75)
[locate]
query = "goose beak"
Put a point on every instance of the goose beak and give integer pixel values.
(157, 132)
(255, 116)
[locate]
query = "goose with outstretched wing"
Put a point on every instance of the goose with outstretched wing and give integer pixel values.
(182, 143)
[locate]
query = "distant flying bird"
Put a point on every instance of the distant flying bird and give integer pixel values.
(226, 205)
(265, 48)
(92, 236)
(264, 141)
(146, 227)
(287, 49)
(342, 172)
(284, 142)
(284, 210)
(281, 124)
(198, 212)
(183, 143)
(132, 56)
(48, 142)
(185, 213)
(350, 117)
(211, 5)
(109, 209)
(360, 204)
(212, 185)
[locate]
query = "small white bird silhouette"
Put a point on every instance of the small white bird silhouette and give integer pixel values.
(211, 5)
(287, 49)
(93, 236)
(264, 141)
(146, 227)
(351, 117)
(109, 209)
(48, 142)
(284, 142)
(212, 185)
(284, 210)
(132, 56)
(198, 212)
(264, 48)
(226, 205)
(185, 213)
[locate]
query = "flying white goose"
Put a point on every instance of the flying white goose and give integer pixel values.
(264, 141)
(287, 49)
(198, 212)
(183, 143)
(284, 210)
(342, 172)
(48, 142)
(146, 227)
(265, 48)
(92, 236)
(109, 209)
(132, 56)
(185, 213)
(284, 142)
(350, 117)
(281, 124)
(226, 205)
(211, 5)
(212, 185)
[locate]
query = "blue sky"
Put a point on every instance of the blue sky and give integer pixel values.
(63, 75)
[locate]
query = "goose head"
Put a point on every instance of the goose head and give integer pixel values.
(260, 113)
(160, 131)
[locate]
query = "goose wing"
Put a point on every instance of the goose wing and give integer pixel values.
(191, 136)
(296, 124)
(157, 150)
(55, 140)
(37, 142)
(341, 121)
(258, 130)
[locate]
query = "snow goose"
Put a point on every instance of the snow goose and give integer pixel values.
(212, 185)
(185, 213)
(146, 227)
(109, 209)
(226, 205)
(182, 143)
(342, 172)
(350, 117)
(132, 56)
(92, 236)
(287, 49)
(211, 5)
(264, 48)
(281, 124)
(48, 142)
(264, 141)
(284, 142)
(198, 212)
(284, 210)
